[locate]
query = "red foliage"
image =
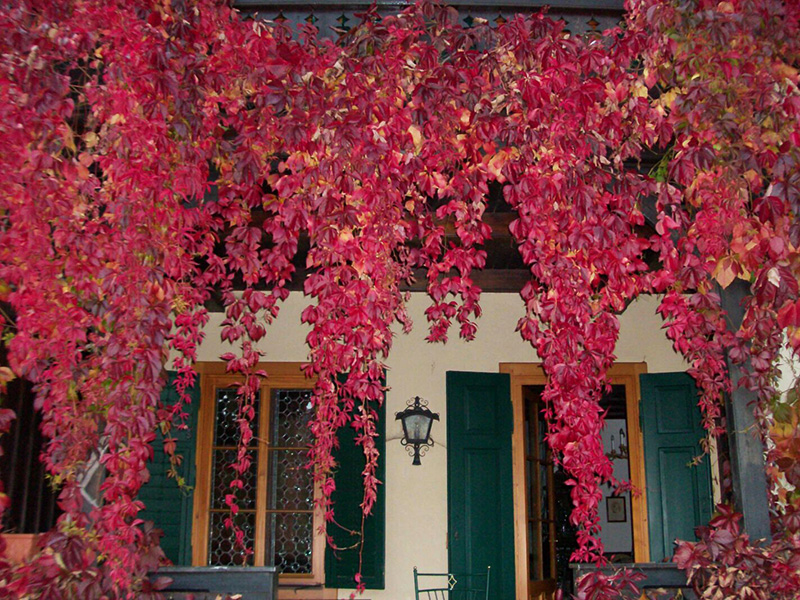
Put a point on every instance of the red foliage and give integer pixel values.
(118, 119)
(725, 564)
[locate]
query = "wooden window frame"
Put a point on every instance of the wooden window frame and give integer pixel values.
(524, 374)
(212, 377)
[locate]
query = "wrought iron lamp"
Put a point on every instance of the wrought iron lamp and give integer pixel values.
(417, 420)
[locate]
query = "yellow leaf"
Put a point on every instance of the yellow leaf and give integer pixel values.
(752, 177)
(785, 71)
(68, 137)
(90, 139)
(6, 375)
(771, 138)
(639, 90)
(774, 277)
(416, 137)
(498, 161)
(85, 159)
(346, 235)
(668, 98)
(726, 271)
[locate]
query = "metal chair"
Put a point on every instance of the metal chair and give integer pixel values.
(452, 586)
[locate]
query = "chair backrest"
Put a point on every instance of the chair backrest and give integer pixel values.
(452, 586)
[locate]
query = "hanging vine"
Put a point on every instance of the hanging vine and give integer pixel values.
(155, 153)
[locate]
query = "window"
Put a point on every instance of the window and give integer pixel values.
(276, 505)
(33, 507)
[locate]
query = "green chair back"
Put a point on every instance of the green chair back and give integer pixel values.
(452, 586)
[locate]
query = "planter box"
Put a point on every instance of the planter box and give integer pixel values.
(19, 546)
(206, 583)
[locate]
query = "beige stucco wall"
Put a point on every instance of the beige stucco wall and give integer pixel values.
(416, 507)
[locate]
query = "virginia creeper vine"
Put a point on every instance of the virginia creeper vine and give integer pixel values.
(154, 154)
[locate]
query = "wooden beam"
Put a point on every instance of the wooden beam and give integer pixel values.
(489, 280)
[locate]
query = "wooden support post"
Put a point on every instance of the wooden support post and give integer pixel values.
(747, 453)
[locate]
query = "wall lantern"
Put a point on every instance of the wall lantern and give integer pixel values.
(417, 420)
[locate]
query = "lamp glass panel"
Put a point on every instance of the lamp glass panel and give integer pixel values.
(417, 428)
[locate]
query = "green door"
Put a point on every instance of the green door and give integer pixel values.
(480, 505)
(678, 494)
(166, 504)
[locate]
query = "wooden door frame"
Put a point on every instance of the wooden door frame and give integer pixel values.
(626, 374)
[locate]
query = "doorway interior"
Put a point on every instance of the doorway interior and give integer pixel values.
(544, 538)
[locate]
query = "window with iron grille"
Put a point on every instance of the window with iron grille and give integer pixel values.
(277, 513)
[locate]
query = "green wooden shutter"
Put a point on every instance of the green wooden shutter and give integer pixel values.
(678, 494)
(165, 503)
(341, 566)
(480, 503)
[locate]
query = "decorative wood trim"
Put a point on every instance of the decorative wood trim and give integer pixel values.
(602, 5)
(714, 468)
(518, 468)
(541, 590)
(320, 540)
(307, 593)
(283, 370)
(551, 511)
(523, 374)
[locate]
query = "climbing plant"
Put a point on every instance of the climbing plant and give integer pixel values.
(728, 201)
(155, 154)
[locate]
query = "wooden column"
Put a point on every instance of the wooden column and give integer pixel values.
(747, 453)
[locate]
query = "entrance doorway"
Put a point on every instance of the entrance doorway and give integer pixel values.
(544, 539)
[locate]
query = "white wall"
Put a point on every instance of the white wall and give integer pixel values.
(416, 505)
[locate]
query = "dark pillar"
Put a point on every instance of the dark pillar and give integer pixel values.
(747, 453)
